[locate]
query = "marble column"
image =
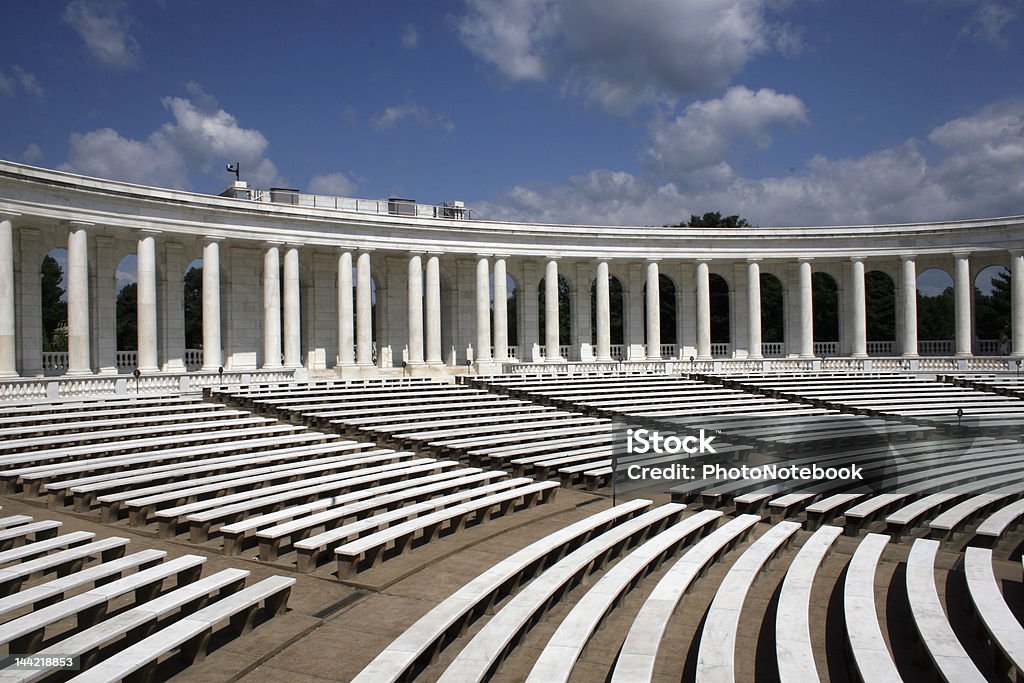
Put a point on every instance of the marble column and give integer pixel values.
(753, 309)
(653, 312)
(858, 313)
(962, 287)
(271, 307)
(483, 310)
(604, 312)
(703, 311)
(551, 336)
(8, 356)
(433, 306)
(211, 305)
(364, 311)
(908, 304)
(78, 301)
(806, 310)
(415, 309)
(147, 359)
(500, 310)
(346, 322)
(291, 304)
(1017, 301)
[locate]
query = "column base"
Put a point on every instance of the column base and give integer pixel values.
(487, 366)
(78, 373)
(149, 371)
(276, 366)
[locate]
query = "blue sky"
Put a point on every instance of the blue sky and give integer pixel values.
(789, 112)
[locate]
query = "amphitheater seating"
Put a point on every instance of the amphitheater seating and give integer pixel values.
(864, 634)
(1005, 633)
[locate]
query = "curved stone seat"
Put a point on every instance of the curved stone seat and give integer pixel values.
(864, 636)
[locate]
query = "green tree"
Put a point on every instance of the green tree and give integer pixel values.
(935, 315)
(772, 319)
(992, 310)
(54, 310)
(880, 297)
(826, 307)
(194, 308)
(713, 219)
(127, 318)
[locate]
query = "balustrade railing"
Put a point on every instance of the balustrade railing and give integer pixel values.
(773, 349)
(392, 207)
(617, 351)
(126, 360)
(829, 348)
(720, 350)
(935, 347)
(55, 362)
(881, 348)
(669, 350)
(193, 359)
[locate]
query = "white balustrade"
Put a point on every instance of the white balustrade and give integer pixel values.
(193, 359)
(881, 348)
(669, 350)
(828, 348)
(773, 349)
(617, 351)
(721, 350)
(126, 360)
(935, 347)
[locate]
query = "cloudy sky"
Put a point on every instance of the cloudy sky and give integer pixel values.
(788, 112)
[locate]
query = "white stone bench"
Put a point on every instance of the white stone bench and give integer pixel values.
(342, 416)
(364, 499)
(140, 445)
(143, 502)
(863, 631)
(14, 520)
(643, 640)
(25, 634)
(499, 454)
(997, 524)
(32, 478)
(946, 525)
(1004, 632)
(793, 648)
(541, 464)
(191, 634)
(134, 623)
(565, 646)
(421, 641)
(29, 550)
(208, 511)
(940, 642)
(128, 435)
(85, 489)
(69, 560)
(337, 531)
(109, 423)
(41, 595)
(536, 434)
(482, 410)
(371, 548)
(562, 419)
(18, 534)
(716, 656)
(488, 647)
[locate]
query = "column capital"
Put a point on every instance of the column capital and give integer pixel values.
(908, 257)
(77, 225)
(416, 252)
(858, 259)
(208, 239)
(961, 254)
(652, 259)
(1015, 253)
(9, 216)
(274, 243)
(805, 259)
(754, 259)
(501, 256)
(149, 232)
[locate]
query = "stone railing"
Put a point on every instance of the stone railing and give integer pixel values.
(881, 348)
(51, 388)
(773, 349)
(669, 350)
(935, 347)
(721, 350)
(828, 348)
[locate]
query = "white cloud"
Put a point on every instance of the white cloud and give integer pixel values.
(987, 23)
(201, 138)
(106, 154)
(968, 167)
(334, 184)
(32, 153)
(625, 54)
(27, 81)
(416, 113)
(104, 26)
(510, 34)
(410, 38)
(707, 130)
